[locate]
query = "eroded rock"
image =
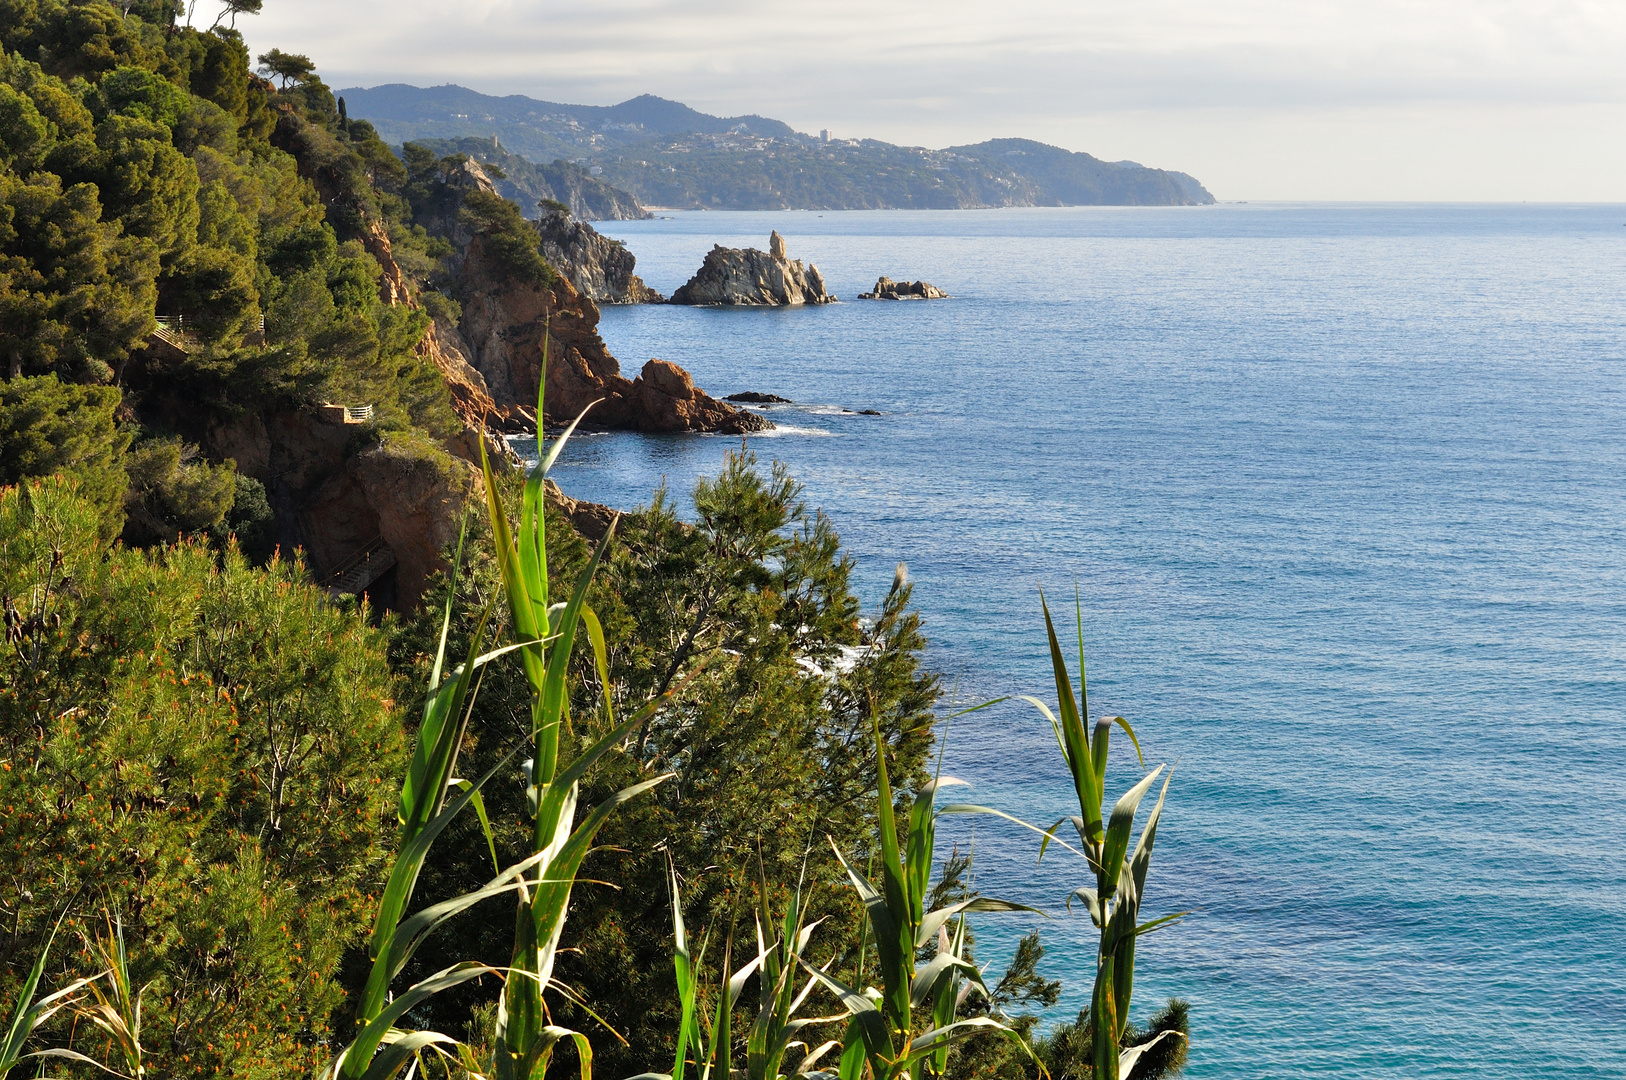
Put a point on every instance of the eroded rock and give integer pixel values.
(503, 327)
(600, 268)
(887, 289)
(590, 519)
(747, 277)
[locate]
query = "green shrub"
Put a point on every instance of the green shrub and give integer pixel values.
(51, 428)
(202, 747)
(510, 241)
(251, 520)
(174, 492)
(441, 308)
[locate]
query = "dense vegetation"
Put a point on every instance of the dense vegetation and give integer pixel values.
(203, 748)
(146, 172)
(237, 805)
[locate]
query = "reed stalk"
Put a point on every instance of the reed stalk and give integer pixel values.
(29, 1014)
(545, 636)
(1120, 873)
(883, 1032)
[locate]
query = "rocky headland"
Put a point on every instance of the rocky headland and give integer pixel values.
(887, 289)
(500, 339)
(747, 277)
(375, 513)
(599, 267)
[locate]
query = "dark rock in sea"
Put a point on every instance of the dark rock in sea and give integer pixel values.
(887, 289)
(746, 277)
(868, 412)
(751, 397)
(600, 268)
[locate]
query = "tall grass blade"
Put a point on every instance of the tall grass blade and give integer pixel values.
(29, 1014)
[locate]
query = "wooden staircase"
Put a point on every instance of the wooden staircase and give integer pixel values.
(360, 570)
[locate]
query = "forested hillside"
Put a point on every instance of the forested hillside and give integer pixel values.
(181, 240)
(667, 154)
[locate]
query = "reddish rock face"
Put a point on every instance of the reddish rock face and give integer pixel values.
(334, 499)
(503, 325)
(491, 361)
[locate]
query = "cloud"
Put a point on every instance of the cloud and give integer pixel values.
(957, 70)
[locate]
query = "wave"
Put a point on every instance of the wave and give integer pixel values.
(790, 429)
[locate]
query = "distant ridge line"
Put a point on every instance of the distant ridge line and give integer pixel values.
(665, 153)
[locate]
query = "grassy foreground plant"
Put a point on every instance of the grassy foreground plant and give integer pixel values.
(30, 1014)
(546, 634)
(117, 1009)
(883, 1032)
(776, 1027)
(1120, 874)
(425, 809)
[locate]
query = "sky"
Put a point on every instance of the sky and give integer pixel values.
(1437, 100)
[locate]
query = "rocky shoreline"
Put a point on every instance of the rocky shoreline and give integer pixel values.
(599, 267)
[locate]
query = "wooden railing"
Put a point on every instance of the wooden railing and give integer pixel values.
(172, 332)
(360, 570)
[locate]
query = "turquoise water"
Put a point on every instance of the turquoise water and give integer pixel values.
(1343, 489)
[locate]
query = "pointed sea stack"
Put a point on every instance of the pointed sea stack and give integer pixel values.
(747, 277)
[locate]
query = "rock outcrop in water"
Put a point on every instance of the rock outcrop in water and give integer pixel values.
(600, 268)
(747, 277)
(887, 289)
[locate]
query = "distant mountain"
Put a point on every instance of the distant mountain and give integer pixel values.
(539, 130)
(1082, 180)
(666, 154)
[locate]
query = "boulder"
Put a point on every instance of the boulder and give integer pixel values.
(590, 519)
(747, 277)
(600, 268)
(887, 289)
(751, 397)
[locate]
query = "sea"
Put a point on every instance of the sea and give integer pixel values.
(1340, 491)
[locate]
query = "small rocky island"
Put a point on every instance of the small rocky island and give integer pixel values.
(887, 289)
(747, 277)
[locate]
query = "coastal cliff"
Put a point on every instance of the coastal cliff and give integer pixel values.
(502, 333)
(600, 268)
(747, 277)
(493, 357)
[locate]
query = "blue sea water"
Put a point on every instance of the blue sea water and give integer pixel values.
(1343, 491)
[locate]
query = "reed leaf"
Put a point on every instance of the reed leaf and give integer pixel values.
(29, 1014)
(1120, 876)
(901, 927)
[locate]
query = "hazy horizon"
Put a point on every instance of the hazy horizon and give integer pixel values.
(1258, 99)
